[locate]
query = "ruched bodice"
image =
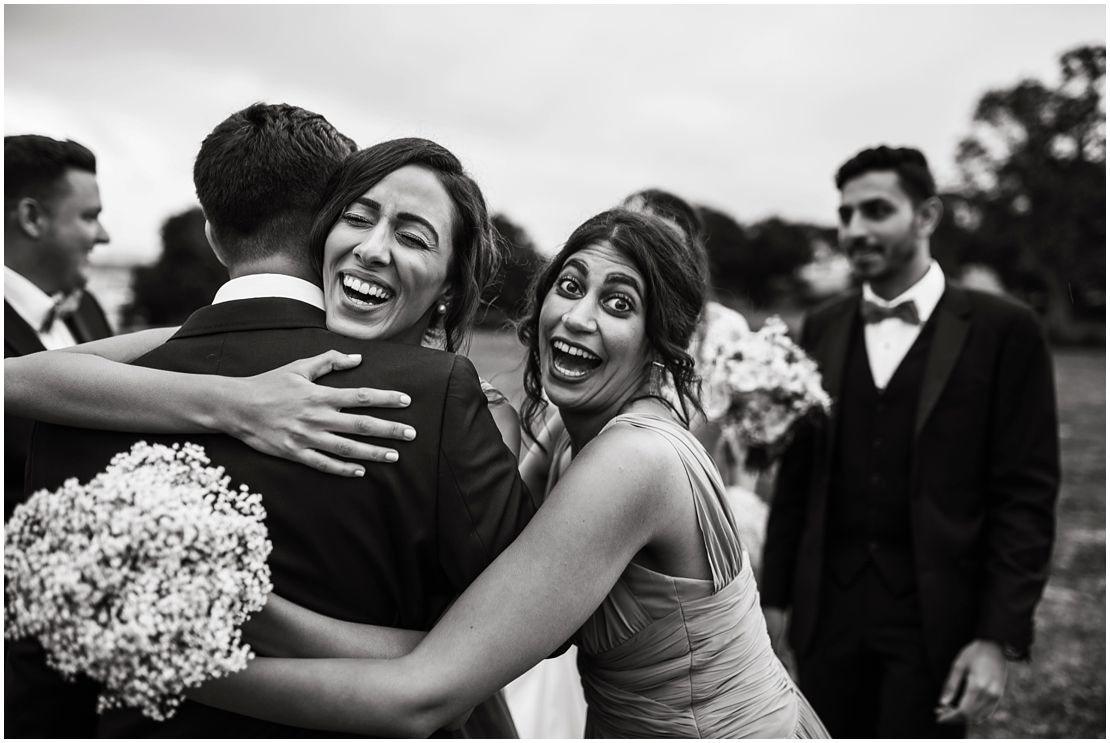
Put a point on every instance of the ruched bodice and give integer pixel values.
(671, 657)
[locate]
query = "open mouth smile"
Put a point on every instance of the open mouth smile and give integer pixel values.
(571, 361)
(365, 293)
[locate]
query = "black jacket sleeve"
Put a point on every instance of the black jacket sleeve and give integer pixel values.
(483, 504)
(1024, 480)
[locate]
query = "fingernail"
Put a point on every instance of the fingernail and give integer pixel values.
(405, 399)
(391, 456)
(410, 433)
(355, 356)
(360, 473)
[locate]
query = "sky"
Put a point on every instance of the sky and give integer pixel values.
(558, 111)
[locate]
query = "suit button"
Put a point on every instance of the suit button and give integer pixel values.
(875, 479)
(872, 547)
(876, 444)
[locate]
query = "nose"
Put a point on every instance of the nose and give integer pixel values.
(375, 250)
(580, 319)
(101, 234)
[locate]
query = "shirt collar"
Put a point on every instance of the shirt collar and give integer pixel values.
(28, 300)
(926, 293)
(262, 285)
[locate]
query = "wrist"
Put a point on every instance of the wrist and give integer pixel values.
(220, 406)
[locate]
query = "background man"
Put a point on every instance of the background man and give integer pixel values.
(911, 532)
(52, 209)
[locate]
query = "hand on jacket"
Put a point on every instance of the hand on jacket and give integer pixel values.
(981, 669)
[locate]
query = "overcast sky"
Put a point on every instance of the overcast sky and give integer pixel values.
(559, 111)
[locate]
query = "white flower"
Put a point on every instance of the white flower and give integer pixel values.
(140, 578)
(760, 384)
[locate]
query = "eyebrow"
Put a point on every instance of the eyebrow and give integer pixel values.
(403, 216)
(612, 278)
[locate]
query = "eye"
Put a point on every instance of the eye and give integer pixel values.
(357, 219)
(413, 240)
(568, 286)
(877, 210)
(619, 303)
(845, 215)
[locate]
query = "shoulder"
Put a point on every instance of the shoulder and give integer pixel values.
(638, 462)
(1000, 311)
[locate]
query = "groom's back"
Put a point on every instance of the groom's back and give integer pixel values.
(391, 548)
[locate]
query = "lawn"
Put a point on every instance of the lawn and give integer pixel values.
(1061, 692)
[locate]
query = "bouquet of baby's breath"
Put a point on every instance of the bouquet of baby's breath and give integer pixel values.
(759, 386)
(140, 578)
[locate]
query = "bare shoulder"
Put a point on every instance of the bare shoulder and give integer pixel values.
(634, 462)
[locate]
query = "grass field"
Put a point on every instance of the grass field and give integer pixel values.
(1061, 692)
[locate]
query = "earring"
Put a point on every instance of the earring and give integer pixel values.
(442, 308)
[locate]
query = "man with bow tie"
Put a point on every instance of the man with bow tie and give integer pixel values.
(52, 206)
(910, 532)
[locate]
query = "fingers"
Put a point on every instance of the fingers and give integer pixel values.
(327, 443)
(362, 397)
(365, 425)
(319, 365)
(952, 683)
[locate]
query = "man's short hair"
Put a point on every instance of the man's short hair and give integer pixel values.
(260, 176)
(34, 166)
(910, 165)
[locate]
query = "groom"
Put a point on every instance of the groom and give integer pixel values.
(911, 533)
(393, 547)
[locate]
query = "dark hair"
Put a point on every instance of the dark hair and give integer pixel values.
(34, 166)
(260, 175)
(675, 293)
(476, 251)
(910, 165)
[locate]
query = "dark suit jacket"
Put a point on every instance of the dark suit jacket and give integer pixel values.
(392, 548)
(984, 477)
(87, 324)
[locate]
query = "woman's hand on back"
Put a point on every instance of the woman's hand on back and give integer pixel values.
(285, 414)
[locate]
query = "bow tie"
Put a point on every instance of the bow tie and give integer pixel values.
(64, 306)
(904, 311)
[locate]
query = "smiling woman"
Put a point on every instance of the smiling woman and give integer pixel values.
(405, 244)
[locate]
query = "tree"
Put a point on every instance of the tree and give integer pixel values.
(757, 263)
(507, 297)
(184, 279)
(1032, 198)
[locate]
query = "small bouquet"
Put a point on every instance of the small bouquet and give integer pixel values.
(758, 386)
(140, 578)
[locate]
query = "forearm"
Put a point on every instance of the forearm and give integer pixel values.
(88, 391)
(341, 695)
(286, 630)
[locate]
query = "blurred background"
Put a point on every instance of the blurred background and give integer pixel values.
(561, 111)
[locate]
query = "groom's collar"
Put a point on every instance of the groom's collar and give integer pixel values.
(263, 285)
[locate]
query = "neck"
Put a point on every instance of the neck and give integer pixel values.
(279, 264)
(892, 286)
(19, 259)
(584, 427)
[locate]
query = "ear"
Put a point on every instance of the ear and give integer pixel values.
(213, 242)
(31, 217)
(928, 216)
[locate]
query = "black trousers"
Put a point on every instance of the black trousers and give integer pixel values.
(866, 673)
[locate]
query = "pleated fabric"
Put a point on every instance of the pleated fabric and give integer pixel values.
(670, 657)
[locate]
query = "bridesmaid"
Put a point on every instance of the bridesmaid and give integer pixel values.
(634, 555)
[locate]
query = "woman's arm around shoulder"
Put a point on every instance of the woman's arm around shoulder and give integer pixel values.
(606, 508)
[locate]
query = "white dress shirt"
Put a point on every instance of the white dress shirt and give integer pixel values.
(262, 285)
(890, 340)
(33, 305)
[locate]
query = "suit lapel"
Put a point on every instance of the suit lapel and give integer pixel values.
(20, 336)
(953, 324)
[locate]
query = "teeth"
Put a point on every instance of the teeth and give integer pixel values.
(365, 287)
(575, 351)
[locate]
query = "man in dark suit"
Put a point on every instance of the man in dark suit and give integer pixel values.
(52, 206)
(910, 532)
(393, 547)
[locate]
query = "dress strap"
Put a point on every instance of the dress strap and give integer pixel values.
(715, 518)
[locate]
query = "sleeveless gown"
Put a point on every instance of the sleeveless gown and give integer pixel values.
(670, 657)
